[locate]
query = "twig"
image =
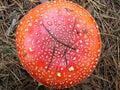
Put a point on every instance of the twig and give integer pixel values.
(42, 1)
(51, 57)
(64, 55)
(14, 20)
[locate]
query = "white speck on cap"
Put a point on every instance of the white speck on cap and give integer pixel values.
(98, 50)
(30, 24)
(78, 25)
(74, 58)
(81, 41)
(61, 68)
(59, 74)
(41, 22)
(46, 16)
(71, 82)
(71, 68)
(69, 76)
(26, 29)
(31, 50)
(36, 20)
(77, 50)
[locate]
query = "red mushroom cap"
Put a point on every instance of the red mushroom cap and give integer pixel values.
(58, 43)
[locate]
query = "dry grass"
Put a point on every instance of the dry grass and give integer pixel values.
(105, 77)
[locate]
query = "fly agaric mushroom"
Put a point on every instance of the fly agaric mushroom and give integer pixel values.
(58, 43)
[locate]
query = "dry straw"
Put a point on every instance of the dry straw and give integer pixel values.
(107, 73)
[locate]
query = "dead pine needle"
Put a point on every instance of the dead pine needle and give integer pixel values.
(106, 76)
